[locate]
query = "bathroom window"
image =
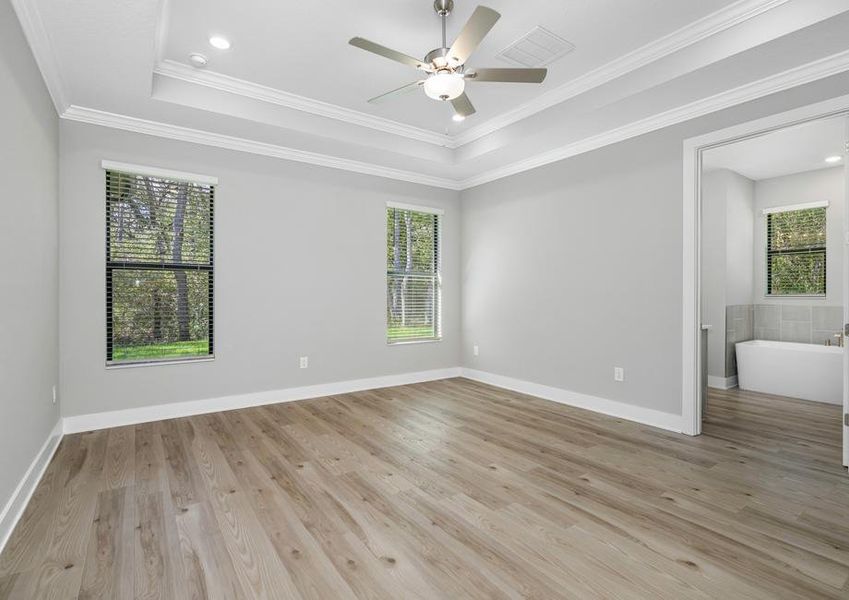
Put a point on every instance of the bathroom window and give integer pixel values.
(795, 255)
(413, 274)
(159, 267)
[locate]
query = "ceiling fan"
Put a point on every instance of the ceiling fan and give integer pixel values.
(445, 67)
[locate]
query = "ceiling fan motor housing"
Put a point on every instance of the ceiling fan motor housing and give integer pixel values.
(443, 7)
(437, 57)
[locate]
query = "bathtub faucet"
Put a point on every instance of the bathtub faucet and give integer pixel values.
(839, 337)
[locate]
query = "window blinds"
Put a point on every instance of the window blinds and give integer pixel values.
(413, 279)
(796, 251)
(159, 268)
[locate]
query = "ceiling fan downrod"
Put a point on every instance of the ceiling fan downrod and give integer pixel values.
(443, 8)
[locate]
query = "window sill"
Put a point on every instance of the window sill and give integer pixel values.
(157, 363)
(411, 342)
(780, 296)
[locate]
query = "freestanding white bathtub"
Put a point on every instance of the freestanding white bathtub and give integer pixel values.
(807, 371)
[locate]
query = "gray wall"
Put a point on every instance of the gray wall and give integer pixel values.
(300, 270)
(727, 255)
(811, 186)
(575, 267)
(713, 268)
(739, 239)
(28, 256)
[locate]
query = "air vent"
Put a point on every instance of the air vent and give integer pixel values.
(538, 48)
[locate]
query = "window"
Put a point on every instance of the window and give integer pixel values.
(413, 279)
(159, 268)
(795, 255)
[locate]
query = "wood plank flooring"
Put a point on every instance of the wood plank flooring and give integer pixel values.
(449, 489)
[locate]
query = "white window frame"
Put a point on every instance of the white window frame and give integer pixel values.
(438, 313)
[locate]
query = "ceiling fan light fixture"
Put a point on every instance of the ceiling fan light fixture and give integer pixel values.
(444, 86)
(458, 118)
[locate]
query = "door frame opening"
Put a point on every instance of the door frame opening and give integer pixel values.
(691, 351)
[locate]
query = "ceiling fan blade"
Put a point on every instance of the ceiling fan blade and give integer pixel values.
(389, 53)
(508, 75)
(462, 105)
(404, 89)
(475, 29)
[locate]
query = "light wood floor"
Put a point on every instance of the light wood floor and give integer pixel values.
(448, 489)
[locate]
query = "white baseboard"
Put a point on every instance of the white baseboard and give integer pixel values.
(146, 414)
(722, 383)
(646, 416)
(14, 509)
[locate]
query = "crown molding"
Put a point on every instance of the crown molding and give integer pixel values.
(42, 51)
(207, 138)
(695, 32)
(706, 27)
(248, 89)
(699, 30)
(807, 73)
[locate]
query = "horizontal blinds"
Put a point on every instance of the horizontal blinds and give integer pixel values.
(796, 252)
(159, 268)
(413, 285)
(158, 221)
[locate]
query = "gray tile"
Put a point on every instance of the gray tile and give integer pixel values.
(773, 335)
(795, 312)
(730, 360)
(796, 331)
(819, 336)
(767, 316)
(827, 317)
(743, 330)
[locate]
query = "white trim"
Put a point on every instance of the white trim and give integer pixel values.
(415, 208)
(117, 366)
(18, 501)
(722, 383)
(818, 69)
(248, 89)
(791, 207)
(710, 25)
(218, 140)
(631, 412)
(158, 172)
(692, 33)
(825, 67)
(145, 414)
(691, 344)
(693, 149)
(42, 51)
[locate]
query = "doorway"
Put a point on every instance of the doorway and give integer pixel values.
(765, 271)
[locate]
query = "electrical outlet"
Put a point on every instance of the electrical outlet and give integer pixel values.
(54, 394)
(476, 350)
(305, 362)
(618, 374)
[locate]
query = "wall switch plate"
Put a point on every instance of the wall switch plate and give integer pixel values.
(476, 350)
(54, 394)
(618, 374)
(305, 362)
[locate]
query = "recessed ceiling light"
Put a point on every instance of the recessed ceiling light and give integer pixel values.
(219, 42)
(834, 159)
(198, 60)
(458, 117)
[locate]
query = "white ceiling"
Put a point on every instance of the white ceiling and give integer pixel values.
(784, 152)
(302, 47)
(293, 88)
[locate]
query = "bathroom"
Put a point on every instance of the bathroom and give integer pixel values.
(772, 264)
